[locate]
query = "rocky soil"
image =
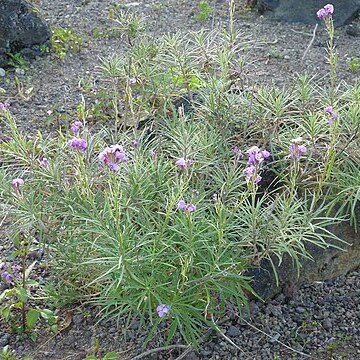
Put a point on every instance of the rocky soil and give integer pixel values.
(317, 321)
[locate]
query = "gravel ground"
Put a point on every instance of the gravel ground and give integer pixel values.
(321, 319)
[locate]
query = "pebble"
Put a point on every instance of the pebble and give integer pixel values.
(352, 30)
(78, 319)
(326, 324)
(4, 340)
(233, 331)
(2, 72)
(300, 310)
(20, 72)
(274, 310)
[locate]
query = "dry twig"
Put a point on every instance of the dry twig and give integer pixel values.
(311, 42)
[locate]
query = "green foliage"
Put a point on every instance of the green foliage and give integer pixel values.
(127, 24)
(65, 40)
(120, 239)
(205, 11)
(7, 354)
(354, 64)
(17, 61)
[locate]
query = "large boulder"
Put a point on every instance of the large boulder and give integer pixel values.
(326, 264)
(21, 27)
(305, 11)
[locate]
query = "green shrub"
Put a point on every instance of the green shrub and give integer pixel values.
(159, 215)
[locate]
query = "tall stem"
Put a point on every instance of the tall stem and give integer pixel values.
(23, 309)
(332, 58)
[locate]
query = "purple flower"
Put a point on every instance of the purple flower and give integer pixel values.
(258, 178)
(76, 126)
(8, 278)
(16, 268)
(132, 81)
(257, 156)
(112, 155)
(238, 154)
(4, 106)
(181, 205)
(44, 163)
(296, 150)
(183, 164)
(325, 12)
(78, 144)
(135, 143)
(17, 183)
(251, 174)
(190, 208)
(163, 310)
(329, 110)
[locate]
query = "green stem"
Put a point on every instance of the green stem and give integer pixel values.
(23, 309)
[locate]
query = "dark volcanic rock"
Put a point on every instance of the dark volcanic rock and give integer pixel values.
(20, 27)
(326, 264)
(305, 11)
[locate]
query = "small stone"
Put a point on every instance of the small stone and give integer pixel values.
(233, 331)
(275, 338)
(132, 4)
(2, 72)
(352, 30)
(300, 310)
(78, 319)
(135, 325)
(326, 324)
(205, 353)
(20, 72)
(4, 340)
(273, 309)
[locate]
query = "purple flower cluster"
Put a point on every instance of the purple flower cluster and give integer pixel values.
(296, 149)
(325, 12)
(112, 156)
(17, 183)
(184, 164)
(182, 205)
(9, 272)
(4, 106)
(252, 175)
(333, 115)
(163, 310)
(256, 157)
(76, 126)
(78, 144)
